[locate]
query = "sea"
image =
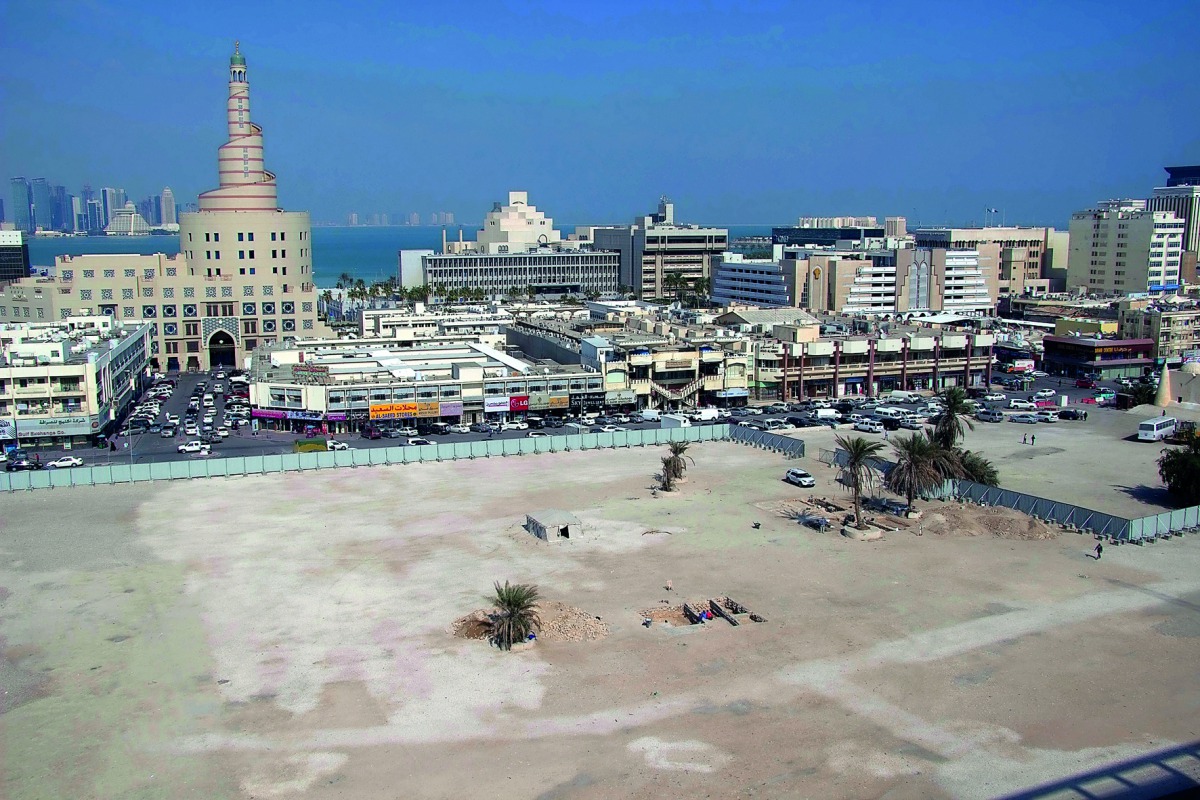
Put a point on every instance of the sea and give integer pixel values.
(363, 252)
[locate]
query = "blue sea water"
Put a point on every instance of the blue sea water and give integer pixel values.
(363, 252)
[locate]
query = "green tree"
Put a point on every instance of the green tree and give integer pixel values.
(921, 465)
(679, 458)
(1143, 394)
(1179, 468)
(977, 468)
(516, 616)
(953, 422)
(344, 281)
(858, 472)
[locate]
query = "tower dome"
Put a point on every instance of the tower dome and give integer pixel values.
(237, 59)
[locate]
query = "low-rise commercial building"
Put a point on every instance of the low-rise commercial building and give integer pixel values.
(872, 365)
(1025, 260)
(1173, 329)
(14, 256)
(1079, 356)
(404, 325)
(68, 382)
(343, 385)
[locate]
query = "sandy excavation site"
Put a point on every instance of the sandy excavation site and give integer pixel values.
(294, 636)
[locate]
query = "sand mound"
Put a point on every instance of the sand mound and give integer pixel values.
(1002, 523)
(560, 623)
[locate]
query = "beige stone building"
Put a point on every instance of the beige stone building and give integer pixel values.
(1175, 330)
(243, 276)
(1024, 260)
(1119, 247)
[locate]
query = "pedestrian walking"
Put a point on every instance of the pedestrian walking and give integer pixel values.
(670, 586)
(1033, 440)
(1024, 438)
(1099, 550)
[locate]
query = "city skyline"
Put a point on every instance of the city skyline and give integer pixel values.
(827, 122)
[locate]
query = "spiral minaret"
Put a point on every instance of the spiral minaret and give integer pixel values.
(245, 185)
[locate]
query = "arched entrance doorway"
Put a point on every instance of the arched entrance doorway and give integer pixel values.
(221, 350)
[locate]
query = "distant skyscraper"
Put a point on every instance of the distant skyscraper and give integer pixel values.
(95, 216)
(169, 216)
(60, 209)
(449, 217)
(414, 218)
(108, 203)
(14, 256)
(41, 204)
(352, 218)
(1, 209)
(22, 215)
(78, 217)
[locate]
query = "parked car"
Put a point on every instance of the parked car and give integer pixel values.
(798, 477)
(22, 463)
(334, 444)
(481, 427)
(753, 425)
(516, 425)
(419, 441)
(1037, 373)
(1028, 419)
(869, 426)
(167, 431)
(535, 435)
(64, 462)
(607, 429)
(912, 424)
(222, 431)
(1085, 383)
(192, 447)
(460, 428)
(1071, 413)
(1024, 405)
(989, 415)
(1041, 394)
(1047, 415)
(993, 397)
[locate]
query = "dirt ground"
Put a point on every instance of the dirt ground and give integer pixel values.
(291, 636)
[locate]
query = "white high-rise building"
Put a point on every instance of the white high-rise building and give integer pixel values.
(1121, 247)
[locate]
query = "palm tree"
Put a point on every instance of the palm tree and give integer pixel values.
(976, 468)
(921, 466)
(701, 286)
(950, 424)
(679, 458)
(668, 473)
(859, 470)
(517, 614)
(1143, 394)
(345, 281)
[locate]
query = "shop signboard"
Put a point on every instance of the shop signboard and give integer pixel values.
(732, 392)
(429, 409)
(58, 426)
(336, 416)
(518, 402)
(560, 401)
(393, 410)
(452, 409)
(620, 397)
(538, 401)
(587, 400)
(495, 404)
(308, 416)
(8, 430)
(268, 413)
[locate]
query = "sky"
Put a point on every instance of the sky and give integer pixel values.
(742, 113)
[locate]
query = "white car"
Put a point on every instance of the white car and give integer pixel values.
(222, 431)
(420, 441)
(1024, 405)
(1047, 415)
(406, 431)
(536, 435)
(799, 477)
(994, 396)
(460, 428)
(193, 447)
(514, 425)
(1044, 393)
(608, 429)
(334, 444)
(1037, 373)
(192, 430)
(869, 426)
(64, 462)
(1028, 419)
(172, 419)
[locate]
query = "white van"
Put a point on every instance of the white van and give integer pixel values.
(887, 412)
(904, 397)
(1157, 429)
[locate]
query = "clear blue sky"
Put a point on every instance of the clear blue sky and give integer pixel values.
(741, 112)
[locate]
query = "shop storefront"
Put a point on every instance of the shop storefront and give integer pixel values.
(583, 402)
(730, 398)
(53, 433)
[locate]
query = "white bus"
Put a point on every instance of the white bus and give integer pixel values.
(1157, 429)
